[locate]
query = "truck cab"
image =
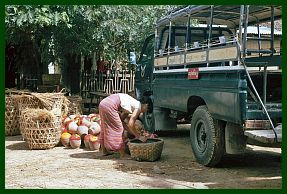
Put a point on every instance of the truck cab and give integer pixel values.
(204, 65)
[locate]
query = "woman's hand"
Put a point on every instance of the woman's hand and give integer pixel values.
(142, 138)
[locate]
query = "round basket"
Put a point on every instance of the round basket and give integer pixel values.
(25, 101)
(41, 128)
(146, 151)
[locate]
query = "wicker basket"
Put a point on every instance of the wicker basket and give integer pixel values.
(75, 106)
(11, 116)
(25, 101)
(16, 104)
(146, 151)
(41, 128)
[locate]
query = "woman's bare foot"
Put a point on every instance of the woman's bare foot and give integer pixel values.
(105, 151)
(124, 155)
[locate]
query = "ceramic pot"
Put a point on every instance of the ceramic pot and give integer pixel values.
(75, 141)
(65, 139)
(94, 143)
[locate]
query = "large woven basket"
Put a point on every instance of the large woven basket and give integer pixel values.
(25, 101)
(41, 128)
(146, 151)
(11, 116)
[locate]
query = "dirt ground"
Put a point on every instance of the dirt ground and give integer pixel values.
(258, 168)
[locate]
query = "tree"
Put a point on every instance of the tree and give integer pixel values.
(65, 32)
(28, 28)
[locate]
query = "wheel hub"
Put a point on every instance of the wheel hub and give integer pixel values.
(201, 136)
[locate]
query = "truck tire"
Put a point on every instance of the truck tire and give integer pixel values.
(148, 118)
(148, 121)
(207, 139)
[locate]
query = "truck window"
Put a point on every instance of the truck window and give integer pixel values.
(148, 49)
(197, 34)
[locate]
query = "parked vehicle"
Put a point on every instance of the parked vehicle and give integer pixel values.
(203, 66)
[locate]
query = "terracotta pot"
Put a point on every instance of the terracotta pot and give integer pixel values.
(77, 120)
(66, 120)
(72, 127)
(96, 118)
(63, 129)
(82, 129)
(85, 121)
(75, 141)
(87, 140)
(95, 128)
(92, 115)
(72, 117)
(65, 139)
(94, 143)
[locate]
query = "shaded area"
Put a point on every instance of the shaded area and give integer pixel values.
(18, 146)
(14, 138)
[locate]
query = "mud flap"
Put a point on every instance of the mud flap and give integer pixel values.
(162, 120)
(235, 140)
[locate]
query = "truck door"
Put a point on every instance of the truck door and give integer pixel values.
(144, 68)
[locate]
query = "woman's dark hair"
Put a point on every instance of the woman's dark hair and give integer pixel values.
(144, 100)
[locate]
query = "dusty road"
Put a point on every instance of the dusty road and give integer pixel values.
(258, 168)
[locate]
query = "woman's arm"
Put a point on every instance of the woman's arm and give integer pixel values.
(123, 115)
(131, 123)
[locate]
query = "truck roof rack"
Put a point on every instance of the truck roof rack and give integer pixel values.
(223, 14)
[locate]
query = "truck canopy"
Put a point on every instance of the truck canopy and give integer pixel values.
(222, 14)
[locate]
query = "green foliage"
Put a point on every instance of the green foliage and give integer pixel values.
(109, 30)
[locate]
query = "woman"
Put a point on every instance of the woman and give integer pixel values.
(113, 111)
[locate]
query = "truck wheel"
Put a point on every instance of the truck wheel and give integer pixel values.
(207, 139)
(148, 121)
(148, 118)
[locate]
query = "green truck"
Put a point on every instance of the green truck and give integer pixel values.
(208, 66)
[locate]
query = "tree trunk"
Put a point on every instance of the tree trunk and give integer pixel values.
(40, 67)
(72, 73)
(94, 62)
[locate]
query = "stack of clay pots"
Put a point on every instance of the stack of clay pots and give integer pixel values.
(82, 130)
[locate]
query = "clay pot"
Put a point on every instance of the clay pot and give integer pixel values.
(95, 128)
(77, 120)
(82, 129)
(94, 143)
(92, 115)
(75, 141)
(87, 140)
(85, 121)
(72, 127)
(72, 117)
(63, 129)
(66, 120)
(96, 118)
(65, 139)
